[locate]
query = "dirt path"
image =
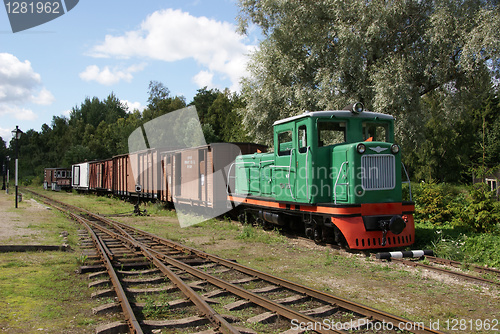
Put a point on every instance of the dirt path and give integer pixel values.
(15, 223)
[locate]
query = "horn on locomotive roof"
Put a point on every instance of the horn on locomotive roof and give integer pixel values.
(355, 108)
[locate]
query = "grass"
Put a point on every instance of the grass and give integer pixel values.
(257, 234)
(459, 245)
(395, 289)
(40, 291)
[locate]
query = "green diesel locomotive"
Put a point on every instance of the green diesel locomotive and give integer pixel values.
(336, 174)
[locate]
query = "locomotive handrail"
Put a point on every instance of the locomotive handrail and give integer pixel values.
(307, 173)
(289, 167)
(265, 161)
(290, 172)
(408, 178)
(234, 177)
(337, 182)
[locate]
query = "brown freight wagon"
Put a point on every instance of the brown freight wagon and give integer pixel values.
(198, 176)
(138, 174)
(123, 177)
(57, 178)
(101, 175)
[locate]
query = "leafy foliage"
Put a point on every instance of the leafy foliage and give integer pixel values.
(482, 213)
(474, 209)
(436, 203)
(432, 64)
(218, 114)
(448, 247)
(483, 248)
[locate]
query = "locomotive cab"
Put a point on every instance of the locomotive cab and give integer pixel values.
(336, 157)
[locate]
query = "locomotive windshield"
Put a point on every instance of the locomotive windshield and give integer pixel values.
(285, 143)
(331, 133)
(375, 131)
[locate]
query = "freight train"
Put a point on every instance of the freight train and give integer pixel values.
(335, 176)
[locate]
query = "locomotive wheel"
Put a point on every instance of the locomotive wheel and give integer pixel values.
(246, 218)
(317, 234)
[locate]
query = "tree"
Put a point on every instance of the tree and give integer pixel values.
(160, 102)
(320, 55)
(157, 93)
(115, 109)
(94, 111)
(218, 114)
(203, 100)
(3, 149)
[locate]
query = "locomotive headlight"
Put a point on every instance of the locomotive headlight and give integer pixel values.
(361, 148)
(395, 149)
(358, 107)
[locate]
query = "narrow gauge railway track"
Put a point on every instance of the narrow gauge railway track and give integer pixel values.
(447, 266)
(254, 296)
(494, 273)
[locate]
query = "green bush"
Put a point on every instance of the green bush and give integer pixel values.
(436, 203)
(483, 249)
(449, 247)
(32, 181)
(482, 211)
(474, 208)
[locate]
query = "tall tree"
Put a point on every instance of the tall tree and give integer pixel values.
(203, 100)
(115, 109)
(388, 54)
(160, 102)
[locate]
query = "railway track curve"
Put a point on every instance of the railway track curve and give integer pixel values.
(209, 294)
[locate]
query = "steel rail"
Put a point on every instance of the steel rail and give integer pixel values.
(366, 311)
(219, 322)
(341, 302)
(215, 318)
(446, 271)
(133, 324)
(457, 264)
(266, 303)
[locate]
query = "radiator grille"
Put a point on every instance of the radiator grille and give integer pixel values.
(378, 171)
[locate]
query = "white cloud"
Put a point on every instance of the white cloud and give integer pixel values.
(18, 113)
(19, 83)
(204, 78)
(108, 76)
(6, 135)
(45, 97)
(133, 105)
(171, 35)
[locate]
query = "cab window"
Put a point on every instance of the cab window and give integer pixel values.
(331, 133)
(302, 136)
(285, 143)
(375, 131)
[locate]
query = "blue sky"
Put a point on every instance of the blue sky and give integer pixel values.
(108, 46)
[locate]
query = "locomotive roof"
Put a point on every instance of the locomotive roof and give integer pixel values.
(335, 114)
